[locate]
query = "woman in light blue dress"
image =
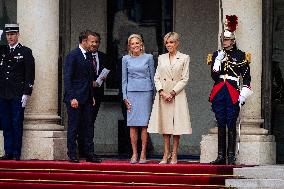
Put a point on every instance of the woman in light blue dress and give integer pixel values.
(138, 90)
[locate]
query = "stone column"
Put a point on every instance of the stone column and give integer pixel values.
(39, 30)
(256, 147)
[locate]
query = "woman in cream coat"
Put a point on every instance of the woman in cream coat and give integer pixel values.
(170, 114)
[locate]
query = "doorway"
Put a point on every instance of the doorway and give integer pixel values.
(152, 20)
(277, 88)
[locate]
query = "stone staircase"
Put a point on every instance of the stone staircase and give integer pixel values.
(260, 177)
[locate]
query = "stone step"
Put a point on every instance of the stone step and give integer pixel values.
(260, 177)
(261, 172)
(255, 183)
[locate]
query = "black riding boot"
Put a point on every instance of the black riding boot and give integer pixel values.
(221, 158)
(231, 145)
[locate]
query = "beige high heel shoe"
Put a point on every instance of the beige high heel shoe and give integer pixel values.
(174, 159)
(133, 160)
(167, 160)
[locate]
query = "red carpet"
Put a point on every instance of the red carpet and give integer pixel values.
(110, 174)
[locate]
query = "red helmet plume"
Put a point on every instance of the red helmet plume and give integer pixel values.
(232, 22)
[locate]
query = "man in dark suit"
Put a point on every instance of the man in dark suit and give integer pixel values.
(78, 85)
(99, 62)
(17, 74)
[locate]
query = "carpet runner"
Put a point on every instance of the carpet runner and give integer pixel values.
(35, 174)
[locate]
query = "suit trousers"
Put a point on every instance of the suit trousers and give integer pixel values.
(226, 112)
(80, 120)
(81, 130)
(12, 116)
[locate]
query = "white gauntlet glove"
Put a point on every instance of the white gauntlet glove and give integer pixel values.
(241, 100)
(221, 55)
(24, 100)
(218, 60)
(245, 92)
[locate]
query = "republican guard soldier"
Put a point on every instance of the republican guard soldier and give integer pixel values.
(228, 66)
(17, 74)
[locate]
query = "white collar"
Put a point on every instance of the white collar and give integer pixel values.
(14, 46)
(82, 50)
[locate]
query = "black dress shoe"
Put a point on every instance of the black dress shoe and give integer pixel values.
(6, 157)
(231, 158)
(74, 160)
(93, 159)
(221, 160)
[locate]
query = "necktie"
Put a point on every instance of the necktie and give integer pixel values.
(94, 62)
(12, 49)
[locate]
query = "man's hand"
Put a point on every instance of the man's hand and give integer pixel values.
(127, 104)
(24, 100)
(74, 103)
(94, 101)
(103, 78)
(217, 65)
(95, 84)
(221, 55)
(218, 60)
(244, 94)
(241, 100)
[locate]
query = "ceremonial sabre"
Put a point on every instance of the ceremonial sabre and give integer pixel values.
(222, 24)
(239, 122)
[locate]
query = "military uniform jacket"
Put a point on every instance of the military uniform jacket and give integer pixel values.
(234, 66)
(17, 71)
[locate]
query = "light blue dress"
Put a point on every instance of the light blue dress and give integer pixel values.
(138, 87)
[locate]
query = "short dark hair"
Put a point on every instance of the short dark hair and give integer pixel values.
(84, 35)
(97, 35)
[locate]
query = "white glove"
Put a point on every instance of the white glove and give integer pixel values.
(218, 60)
(24, 100)
(241, 100)
(217, 65)
(1, 32)
(246, 92)
(221, 55)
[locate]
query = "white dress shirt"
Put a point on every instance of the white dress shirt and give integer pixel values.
(97, 60)
(83, 51)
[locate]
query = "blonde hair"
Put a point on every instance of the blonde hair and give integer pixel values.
(139, 37)
(173, 35)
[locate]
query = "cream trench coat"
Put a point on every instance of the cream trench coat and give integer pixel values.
(171, 118)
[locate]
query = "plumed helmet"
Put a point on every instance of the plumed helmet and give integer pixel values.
(231, 26)
(229, 35)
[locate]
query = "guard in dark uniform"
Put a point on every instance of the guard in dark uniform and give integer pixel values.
(17, 74)
(227, 67)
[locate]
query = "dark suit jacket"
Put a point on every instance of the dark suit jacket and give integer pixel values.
(103, 63)
(78, 77)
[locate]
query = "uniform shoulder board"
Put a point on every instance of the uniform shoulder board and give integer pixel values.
(248, 57)
(209, 59)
